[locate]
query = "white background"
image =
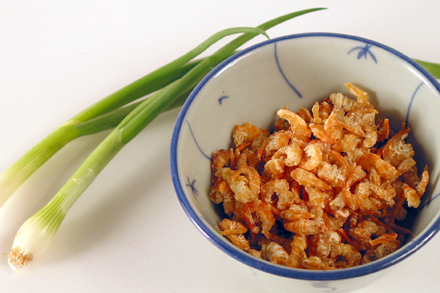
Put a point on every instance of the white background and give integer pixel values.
(128, 233)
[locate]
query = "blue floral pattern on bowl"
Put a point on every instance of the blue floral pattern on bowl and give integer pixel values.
(364, 51)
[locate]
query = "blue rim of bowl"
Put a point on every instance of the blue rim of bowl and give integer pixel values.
(243, 257)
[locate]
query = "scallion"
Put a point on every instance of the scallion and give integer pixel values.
(431, 67)
(22, 169)
(82, 125)
(35, 235)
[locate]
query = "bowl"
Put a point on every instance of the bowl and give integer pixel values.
(296, 71)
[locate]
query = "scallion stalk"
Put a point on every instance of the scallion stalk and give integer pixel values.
(24, 167)
(431, 67)
(35, 235)
(31, 161)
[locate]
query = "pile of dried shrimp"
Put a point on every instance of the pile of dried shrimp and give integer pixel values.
(323, 191)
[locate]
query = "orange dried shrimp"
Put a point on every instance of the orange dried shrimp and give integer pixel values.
(328, 189)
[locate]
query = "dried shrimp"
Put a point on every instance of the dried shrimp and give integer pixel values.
(328, 189)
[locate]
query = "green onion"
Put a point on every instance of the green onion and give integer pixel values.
(22, 169)
(433, 68)
(35, 235)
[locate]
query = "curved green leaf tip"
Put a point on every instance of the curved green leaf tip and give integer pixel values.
(431, 67)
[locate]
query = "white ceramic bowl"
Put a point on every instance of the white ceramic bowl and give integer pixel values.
(296, 71)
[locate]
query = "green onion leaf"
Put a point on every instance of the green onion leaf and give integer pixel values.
(433, 68)
(35, 235)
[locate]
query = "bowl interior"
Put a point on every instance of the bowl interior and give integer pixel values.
(296, 71)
